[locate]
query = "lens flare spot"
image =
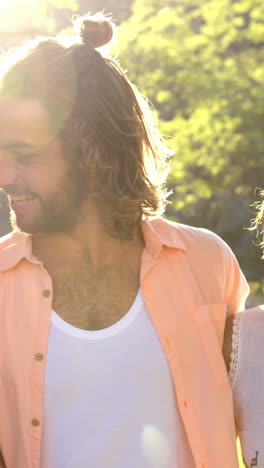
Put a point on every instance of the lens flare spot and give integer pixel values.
(4, 4)
(155, 446)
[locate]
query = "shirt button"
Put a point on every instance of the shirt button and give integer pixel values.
(39, 356)
(46, 292)
(35, 422)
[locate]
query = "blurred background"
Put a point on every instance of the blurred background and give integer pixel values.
(201, 64)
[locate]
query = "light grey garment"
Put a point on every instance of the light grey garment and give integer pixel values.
(247, 380)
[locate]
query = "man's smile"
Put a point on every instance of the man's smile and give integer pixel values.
(20, 198)
(19, 202)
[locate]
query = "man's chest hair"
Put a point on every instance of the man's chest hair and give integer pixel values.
(94, 301)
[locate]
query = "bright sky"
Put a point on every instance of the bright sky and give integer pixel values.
(4, 4)
(16, 15)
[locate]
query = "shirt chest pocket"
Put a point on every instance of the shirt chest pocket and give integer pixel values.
(210, 322)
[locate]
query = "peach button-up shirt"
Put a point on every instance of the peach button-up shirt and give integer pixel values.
(190, 282)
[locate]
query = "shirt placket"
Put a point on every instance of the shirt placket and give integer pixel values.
(170, 349)
(39, 362)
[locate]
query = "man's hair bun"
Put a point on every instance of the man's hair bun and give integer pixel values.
(96, 30)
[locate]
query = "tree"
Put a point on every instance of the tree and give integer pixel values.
(200, 62)
(119, 10)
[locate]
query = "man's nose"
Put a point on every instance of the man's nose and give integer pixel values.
(8, 172)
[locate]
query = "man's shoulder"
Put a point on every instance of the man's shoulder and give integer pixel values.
(10, 244)
(7, 239)
(193, 236)
(13, 247)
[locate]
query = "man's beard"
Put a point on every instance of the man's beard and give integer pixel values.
(59, 212)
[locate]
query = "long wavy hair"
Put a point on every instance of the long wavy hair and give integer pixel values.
(105, 125)
(257, 222)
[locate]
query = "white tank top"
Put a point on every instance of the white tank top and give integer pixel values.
(109, 400)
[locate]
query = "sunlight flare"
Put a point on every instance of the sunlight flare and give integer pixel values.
(4, 4)
(155, 446)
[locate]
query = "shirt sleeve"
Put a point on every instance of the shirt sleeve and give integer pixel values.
(247, 380)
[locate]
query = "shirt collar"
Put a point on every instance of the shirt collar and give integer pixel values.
(15, 246)
(157, 232)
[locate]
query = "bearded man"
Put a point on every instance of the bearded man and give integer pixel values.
(112, 318)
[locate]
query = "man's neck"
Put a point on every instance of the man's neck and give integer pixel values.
(88, 241)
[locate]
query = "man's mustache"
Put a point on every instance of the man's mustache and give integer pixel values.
(14, 190)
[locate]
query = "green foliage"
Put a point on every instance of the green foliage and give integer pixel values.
(119, 10)
(201, 64)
